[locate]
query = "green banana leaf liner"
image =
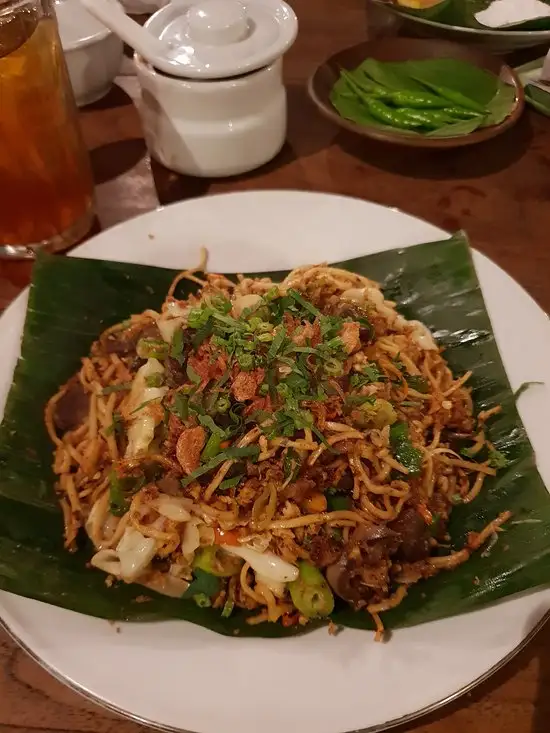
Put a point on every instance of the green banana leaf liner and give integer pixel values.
(72, 300)
(463, 13)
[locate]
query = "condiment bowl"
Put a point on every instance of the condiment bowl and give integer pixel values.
(406, 49)
(93, 53)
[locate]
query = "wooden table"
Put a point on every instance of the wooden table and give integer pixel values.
(499, 192)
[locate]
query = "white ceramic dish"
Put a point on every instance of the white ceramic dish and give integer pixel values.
(177, 676)
(493, 40)
(93, 53)
(211, 129)
(226, 126)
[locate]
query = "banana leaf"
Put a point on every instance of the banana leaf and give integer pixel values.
(478, 85)
(463, 13)
(72, 300)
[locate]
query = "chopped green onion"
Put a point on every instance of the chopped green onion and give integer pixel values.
(151, 349)
(202, 334)
(154, 380)
(246, 361)
(277, 342)
(192, 374)
(202, 600)
(143, 404)
(197, 317)
(333, 367)
(212, 447)
(229, 483)
(418, 383)
(117, 388)
(116, 427)
(176, 347)
(404, 451)
(223, 404)
(180, 406)
(265, 338)
(250, 451)
(306, 305)
(228, 607)
(338, 503)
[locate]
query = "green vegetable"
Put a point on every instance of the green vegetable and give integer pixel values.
(403, 450)
(151, 349)
(415, 100)
(116, 427)
(229, 483)
(223, 404)
(180, 406)
(250, 451)
(276, 344)
(192, 374)
(215, 561)
(228, 607)
(246, 361)
(454, 96)
(291, 464)
(121, 490)
(212, 447)
(497, 459)
(202, 600)
(203, 584)
(369, 374)
(338, 503)
(117, 388)
(461, 113)
(418, 383)
(311, 593)
(333, 367)
(306, 305)
(391, 117)
(154, 380)
(176, 347)
(432, 119)
(375, 414)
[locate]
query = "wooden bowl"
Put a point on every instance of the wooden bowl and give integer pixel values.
(411, 49)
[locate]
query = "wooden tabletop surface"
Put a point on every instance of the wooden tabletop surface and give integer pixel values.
(498, 192)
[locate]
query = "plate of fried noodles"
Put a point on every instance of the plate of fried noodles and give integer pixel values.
(292, 487)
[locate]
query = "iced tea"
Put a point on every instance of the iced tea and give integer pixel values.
(46, 189)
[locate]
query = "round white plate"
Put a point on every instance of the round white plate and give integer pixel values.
(179, 676)
(495, 40)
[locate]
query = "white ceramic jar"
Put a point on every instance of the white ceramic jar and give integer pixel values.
(225, 126)
(93, 53)
(222, 128)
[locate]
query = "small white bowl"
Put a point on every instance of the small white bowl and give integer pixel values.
(213, 128)
(93, 54)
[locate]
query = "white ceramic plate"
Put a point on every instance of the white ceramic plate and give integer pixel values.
(496, 41)
(179, 676)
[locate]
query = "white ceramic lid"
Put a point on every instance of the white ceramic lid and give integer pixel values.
(76, 26)
(222, 38)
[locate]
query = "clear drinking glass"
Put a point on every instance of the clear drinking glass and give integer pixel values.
(46, 188)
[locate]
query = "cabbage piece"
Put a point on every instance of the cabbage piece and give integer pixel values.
(266, 564)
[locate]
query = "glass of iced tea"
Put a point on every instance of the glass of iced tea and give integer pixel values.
(46, 188)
